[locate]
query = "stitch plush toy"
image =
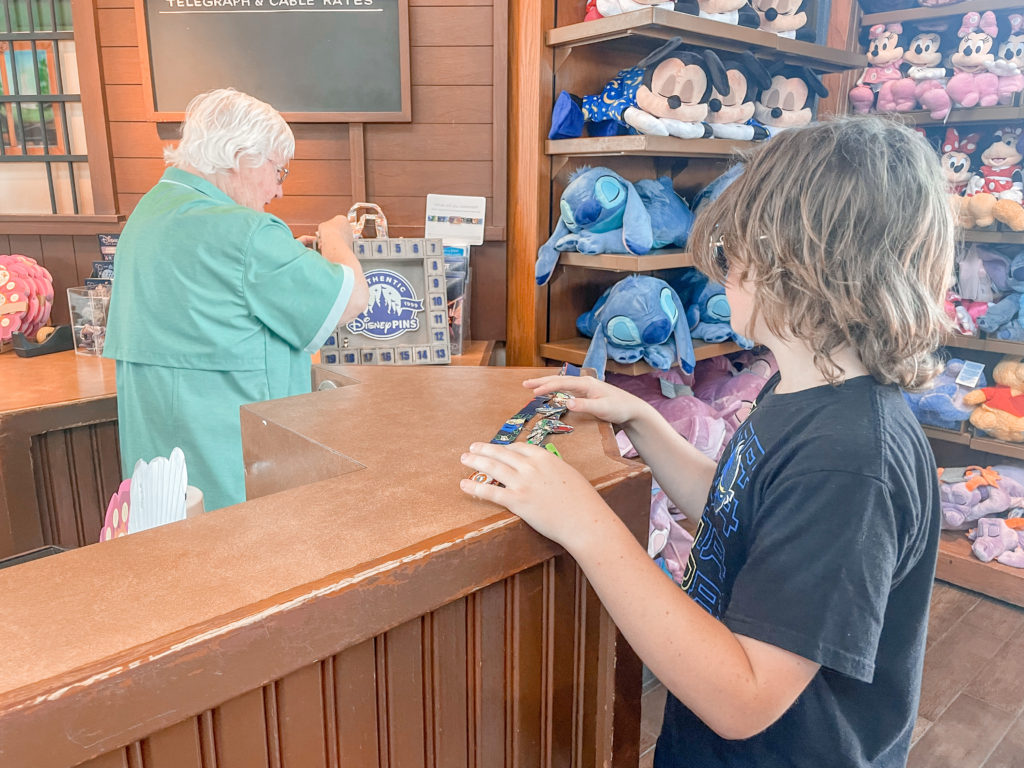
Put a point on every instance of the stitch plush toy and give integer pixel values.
(967, 494)
(1001, 318)
(942, 403)
(783, 17)
(885, 60)
(925, 81)
(601, 212)
(996, 193)
(637, 318)
(730, 115)
(26, 296)
(1000, 410)
(1009, 61)
(707, 308)
(665, 94)
(972, 84)
(787, 101)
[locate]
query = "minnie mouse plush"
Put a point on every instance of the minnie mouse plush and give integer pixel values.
(665, 94)
(997, 193)
(925, 81)
(956, 167)
(1009, 61)
(885, 57)
(973, 85)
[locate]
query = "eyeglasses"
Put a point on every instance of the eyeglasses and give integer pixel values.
(282, 174)
(717, 248)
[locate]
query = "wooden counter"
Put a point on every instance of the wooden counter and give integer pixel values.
(59, 459)
(361, 611)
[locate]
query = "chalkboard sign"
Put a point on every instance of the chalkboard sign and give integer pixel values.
(312, 60)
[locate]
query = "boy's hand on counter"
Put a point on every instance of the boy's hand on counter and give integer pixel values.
(549, 494)
(589, 395)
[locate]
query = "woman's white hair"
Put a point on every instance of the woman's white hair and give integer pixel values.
(225, 129)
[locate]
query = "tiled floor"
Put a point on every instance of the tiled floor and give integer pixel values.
(972, 696)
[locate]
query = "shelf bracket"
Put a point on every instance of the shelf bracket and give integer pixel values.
(562, 56)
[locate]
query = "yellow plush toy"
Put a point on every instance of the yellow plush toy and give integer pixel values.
(1000, 410)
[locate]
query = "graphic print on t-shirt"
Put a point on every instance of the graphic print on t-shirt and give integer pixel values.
(706, 569)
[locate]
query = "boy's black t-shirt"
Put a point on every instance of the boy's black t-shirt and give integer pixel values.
(820, 536)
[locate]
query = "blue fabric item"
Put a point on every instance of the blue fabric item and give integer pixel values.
(601, 212)
(566, 117)
(636, 319)
(707, 308)
(941, 405)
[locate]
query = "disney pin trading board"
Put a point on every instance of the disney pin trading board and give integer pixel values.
(406, 320)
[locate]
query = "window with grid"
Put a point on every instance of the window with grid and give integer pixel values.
(43, 161)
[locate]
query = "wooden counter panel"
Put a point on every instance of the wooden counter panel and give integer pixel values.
(171, 623)
(61, 377)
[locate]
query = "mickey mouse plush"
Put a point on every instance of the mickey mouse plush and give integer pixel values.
(885, 57)
(665, 94)
(597, 9)
(787, 100)
(973, 85)
(1009, 61)
(997, 193)
(783, 17)
(730, 115)
(730, 11)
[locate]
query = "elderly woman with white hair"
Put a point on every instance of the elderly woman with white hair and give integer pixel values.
(215, 303)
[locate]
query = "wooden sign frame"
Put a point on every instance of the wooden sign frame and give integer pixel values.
(402, 116)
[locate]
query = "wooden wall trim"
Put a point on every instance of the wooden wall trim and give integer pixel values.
(61, 225)
(357, 159)
(499, 106)
(94, 106)
(528, 173)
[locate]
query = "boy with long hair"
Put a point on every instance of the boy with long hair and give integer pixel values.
(799, 636)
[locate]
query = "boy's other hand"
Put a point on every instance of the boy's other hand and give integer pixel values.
(555, 499)
(589, 395)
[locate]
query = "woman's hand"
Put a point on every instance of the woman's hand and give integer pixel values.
(589, 395)
(555, 499)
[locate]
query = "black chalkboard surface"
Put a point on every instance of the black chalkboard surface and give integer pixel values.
(312, 60)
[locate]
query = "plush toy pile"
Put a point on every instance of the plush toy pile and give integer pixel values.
(992, 500)
(26, 296)
(941, 64)
(942, 403)
(705, 407)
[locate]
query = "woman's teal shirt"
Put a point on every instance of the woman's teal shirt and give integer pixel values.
(214, 305)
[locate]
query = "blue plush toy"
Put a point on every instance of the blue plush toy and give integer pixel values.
(1003, 320)
(636, 318)
(941, 404)
(601, 212)
(707, 308)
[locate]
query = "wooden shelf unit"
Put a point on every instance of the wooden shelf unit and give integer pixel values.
(992, 236)
(643, 30)
(628, 262)
(643, 146)
(964, 116)
(575, 350)
(942, 11)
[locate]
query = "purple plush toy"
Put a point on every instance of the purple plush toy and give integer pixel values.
(994, 539)
(967, 494)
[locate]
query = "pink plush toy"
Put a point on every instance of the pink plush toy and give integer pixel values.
(885, 60)
(973, 85)
(26, 296)
(598, 9)
(729, 390)
(1009, 61)
(925, 81)
(666, 538)
(999, 540)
